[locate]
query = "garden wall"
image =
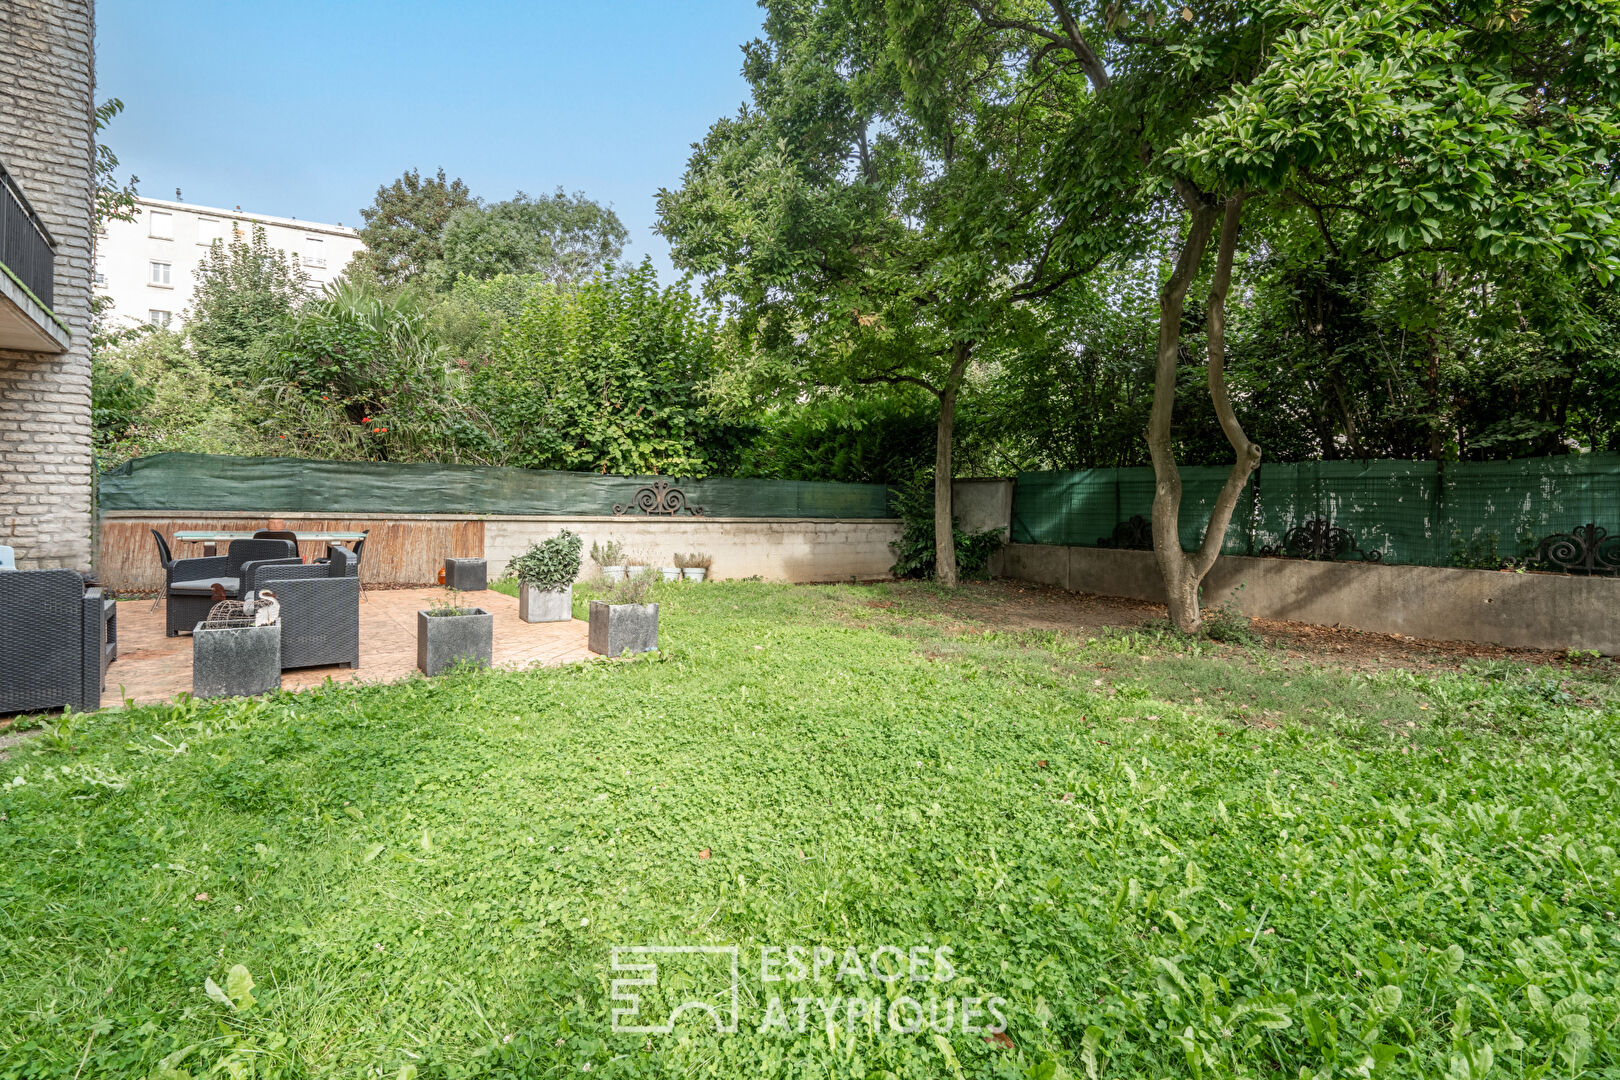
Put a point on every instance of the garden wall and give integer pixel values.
(408, 549)
(1544, 611)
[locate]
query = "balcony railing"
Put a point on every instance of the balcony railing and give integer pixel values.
(26, 247)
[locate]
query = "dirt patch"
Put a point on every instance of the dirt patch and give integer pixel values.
(1026, 606)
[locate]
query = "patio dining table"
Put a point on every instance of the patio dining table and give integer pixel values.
(211, 538)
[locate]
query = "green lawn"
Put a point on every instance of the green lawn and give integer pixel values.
(1203, 860)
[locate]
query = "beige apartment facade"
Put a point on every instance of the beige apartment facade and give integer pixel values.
(147, 267)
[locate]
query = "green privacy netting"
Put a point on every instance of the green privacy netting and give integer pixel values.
(1418, 512)
(293, 485)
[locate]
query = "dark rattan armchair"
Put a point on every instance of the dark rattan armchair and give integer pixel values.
(189, 583)
(53, 642)
(320, 609)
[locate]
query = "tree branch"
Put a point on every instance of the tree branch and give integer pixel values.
(1248, 453)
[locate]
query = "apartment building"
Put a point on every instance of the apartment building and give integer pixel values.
(47, 143)
(147, 266)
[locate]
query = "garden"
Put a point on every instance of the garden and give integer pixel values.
(1141, 854)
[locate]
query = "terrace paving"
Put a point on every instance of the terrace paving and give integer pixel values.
(153, 668)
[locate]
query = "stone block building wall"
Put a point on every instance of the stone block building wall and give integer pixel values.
(47, 143)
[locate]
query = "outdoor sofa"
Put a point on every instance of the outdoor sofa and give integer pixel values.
(54, 647)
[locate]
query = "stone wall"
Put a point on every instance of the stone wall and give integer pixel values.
(47, 85)
(1540, 611)
(408, 549)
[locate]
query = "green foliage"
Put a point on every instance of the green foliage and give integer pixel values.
(862, 440)
(245, 297)
(559, 238)
(634, 588)
(1172, 859)
(359, 374)
(608, 376)
(448, 605)
(150, 394)
(405, 223)
(914, 551)
(552, 563)
(608, 554)
(114, 199)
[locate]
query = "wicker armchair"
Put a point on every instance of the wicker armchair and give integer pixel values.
(320, 609)
(53, 642)
(190, 583)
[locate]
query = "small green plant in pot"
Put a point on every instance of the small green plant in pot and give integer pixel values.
(623, 621)
(694, 565)
(609, 558)
(546, 574)
(449, 632)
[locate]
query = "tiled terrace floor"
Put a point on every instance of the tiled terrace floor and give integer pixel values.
(151, 667)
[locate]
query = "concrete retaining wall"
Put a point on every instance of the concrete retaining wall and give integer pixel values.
(410, 548)
(983, 504)
(1542, 611)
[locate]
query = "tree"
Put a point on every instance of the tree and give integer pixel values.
(359, 374)
(609, 375)
(559, 237)
(245, 297)
(404, 225)
(1470, 131)
(859, 243)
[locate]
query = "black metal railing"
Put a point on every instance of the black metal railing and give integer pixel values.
(26, 246)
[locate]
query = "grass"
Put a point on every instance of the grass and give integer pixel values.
(1167, 858)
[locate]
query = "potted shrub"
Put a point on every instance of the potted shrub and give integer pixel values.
(609, 558)
(546, 574)
(623, 621)
(671, 573)
(695, 566)
(448, 632)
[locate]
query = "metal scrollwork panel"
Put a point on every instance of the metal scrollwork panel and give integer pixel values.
(1585, 549)
(1319, 539)
(659, 497)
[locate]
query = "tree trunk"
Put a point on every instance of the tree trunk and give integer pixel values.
(944, 518)
(1183, 572)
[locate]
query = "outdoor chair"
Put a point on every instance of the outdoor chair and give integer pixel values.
(320, 609)
(277, 534)
(189, 585)
(358, 551)
(53, 642)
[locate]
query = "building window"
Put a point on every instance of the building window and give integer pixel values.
(208, 230)
(314, 251)
(99, 278)
(160, 274)
(159, 319)
(162, 225)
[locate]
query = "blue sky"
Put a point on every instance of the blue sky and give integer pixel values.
(302, 108)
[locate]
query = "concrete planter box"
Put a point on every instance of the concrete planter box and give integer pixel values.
(620, 628)
(467, 575)
(444, 640)
(545, 605)
(236, 661)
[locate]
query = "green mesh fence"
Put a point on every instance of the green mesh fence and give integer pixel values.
(1416, 512)
(292, 485)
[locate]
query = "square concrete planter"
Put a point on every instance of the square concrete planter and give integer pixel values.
(545, 605)
(239, 661)
(620, 628)
(467, 575)
(444, 640)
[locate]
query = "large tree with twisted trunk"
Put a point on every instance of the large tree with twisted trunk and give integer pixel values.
(1481, 131)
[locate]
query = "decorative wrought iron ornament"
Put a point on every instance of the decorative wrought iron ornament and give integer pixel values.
(659, 497)
(1586, 549)
(1319, 538)
(1133, 535)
